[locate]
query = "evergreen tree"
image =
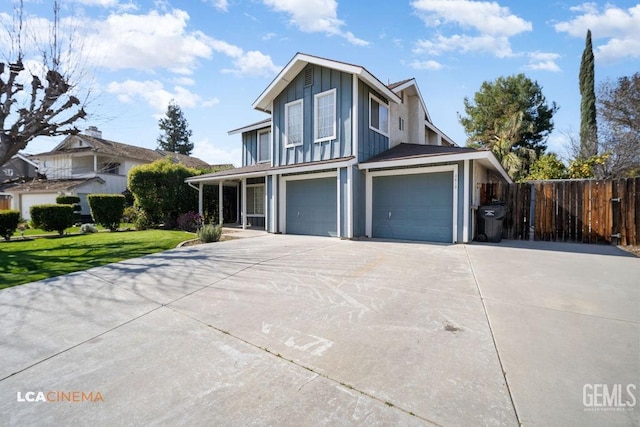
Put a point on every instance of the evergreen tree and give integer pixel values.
(588, 126)
(176, 131)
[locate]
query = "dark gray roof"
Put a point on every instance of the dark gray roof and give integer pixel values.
(118, 149)
(45, 185)
(265, 167)
(405, 151)
(396, 84)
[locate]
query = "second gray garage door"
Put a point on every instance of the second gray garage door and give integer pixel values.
(312, 207)
(413, 207)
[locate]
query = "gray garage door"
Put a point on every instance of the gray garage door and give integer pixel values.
(413, 207)
(312, 207)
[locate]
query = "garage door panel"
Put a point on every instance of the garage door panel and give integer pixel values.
(312, 207)
(413, 207)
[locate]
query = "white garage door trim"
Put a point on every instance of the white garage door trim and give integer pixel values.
(283, 194)
(412, 171)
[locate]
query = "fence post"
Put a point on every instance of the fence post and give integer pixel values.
(532, 213)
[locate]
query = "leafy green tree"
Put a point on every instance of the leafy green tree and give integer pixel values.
(498, 101)
(176, 132)
(515, 160)
(160, 191)
(547, 166)
(588, 124)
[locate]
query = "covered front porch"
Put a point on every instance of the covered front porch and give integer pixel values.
(250, 195)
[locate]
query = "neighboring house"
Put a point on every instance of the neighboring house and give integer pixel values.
(342, 154)
(83, 164)
(18, 168)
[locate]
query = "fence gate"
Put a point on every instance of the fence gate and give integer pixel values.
(588, 211)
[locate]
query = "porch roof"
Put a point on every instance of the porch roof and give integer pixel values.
(404, 155)
(263, 169)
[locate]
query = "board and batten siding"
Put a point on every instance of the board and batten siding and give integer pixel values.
(250, 148)
(324, 79)
(370, 142)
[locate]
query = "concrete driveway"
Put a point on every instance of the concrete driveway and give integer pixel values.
(294, 330)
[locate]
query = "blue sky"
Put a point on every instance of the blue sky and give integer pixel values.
(214, 57)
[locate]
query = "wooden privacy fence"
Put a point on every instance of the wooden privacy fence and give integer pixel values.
(588, 211)
(5, 203)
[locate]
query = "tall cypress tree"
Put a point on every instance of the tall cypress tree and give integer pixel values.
(588, 126)
(176, 131)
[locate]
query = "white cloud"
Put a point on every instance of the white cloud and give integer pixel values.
(222, 5)
(543, 61)
(497, 46)
(252, 63)
(486, 27)
(485, 17)
(154, 93)
(618, 25)
(426, 65)
(212, 154)
(315, 16)
(268, 36)
(147, 42)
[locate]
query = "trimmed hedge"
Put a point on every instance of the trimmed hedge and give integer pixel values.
(52, 217)
(107, 209)
(9, 221)
(71, 200)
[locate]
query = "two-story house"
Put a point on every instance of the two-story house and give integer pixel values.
(342, 154)
(84, 164)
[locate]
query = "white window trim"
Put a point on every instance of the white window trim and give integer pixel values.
(258, 146)
(315, 115)
(286, 122)
(380, 131)
(265, 207)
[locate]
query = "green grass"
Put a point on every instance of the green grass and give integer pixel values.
(71, 230)
(23, 261)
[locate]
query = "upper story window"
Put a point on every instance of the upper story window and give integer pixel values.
(325, 116)
(293, 123)
(264, 146)
(378, 115)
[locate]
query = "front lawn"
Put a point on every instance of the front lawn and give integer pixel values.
(26, 261)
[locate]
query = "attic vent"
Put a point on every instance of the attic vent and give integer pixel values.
(308, 77)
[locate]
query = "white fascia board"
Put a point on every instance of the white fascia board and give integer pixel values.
(28, 160)
(297, 64)
(416, 161)
(249, 128)
(435, 128)
(372, 81)
(408, 84)
(311, 168)
(225, 177)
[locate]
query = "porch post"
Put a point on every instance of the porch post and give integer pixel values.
(200, 199)
(244, 203)
(237, 203)
(220, 211)
(95, 163)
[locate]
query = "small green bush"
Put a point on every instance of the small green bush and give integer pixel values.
(209, 233)
(107, 209)
(71, 200)
(130, 214)
(9, 221)
(52, 217)
(142, 220)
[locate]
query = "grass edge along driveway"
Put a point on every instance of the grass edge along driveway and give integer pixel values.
(25, 261)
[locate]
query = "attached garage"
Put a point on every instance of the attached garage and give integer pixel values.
(311, 206)
(28, 200)
(413, 207)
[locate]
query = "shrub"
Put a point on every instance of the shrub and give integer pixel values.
(190, 221)
(142, 221)
(52, 217)
(75, 202)
(209, 233)
(88, 228)
(107, 209)
(130, 214)
(9, 221)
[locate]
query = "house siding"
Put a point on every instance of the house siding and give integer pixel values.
(370, 142)
(250, 148)
(359, 202)
(324, 79)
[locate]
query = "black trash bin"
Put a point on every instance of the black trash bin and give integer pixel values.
(490, 222)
